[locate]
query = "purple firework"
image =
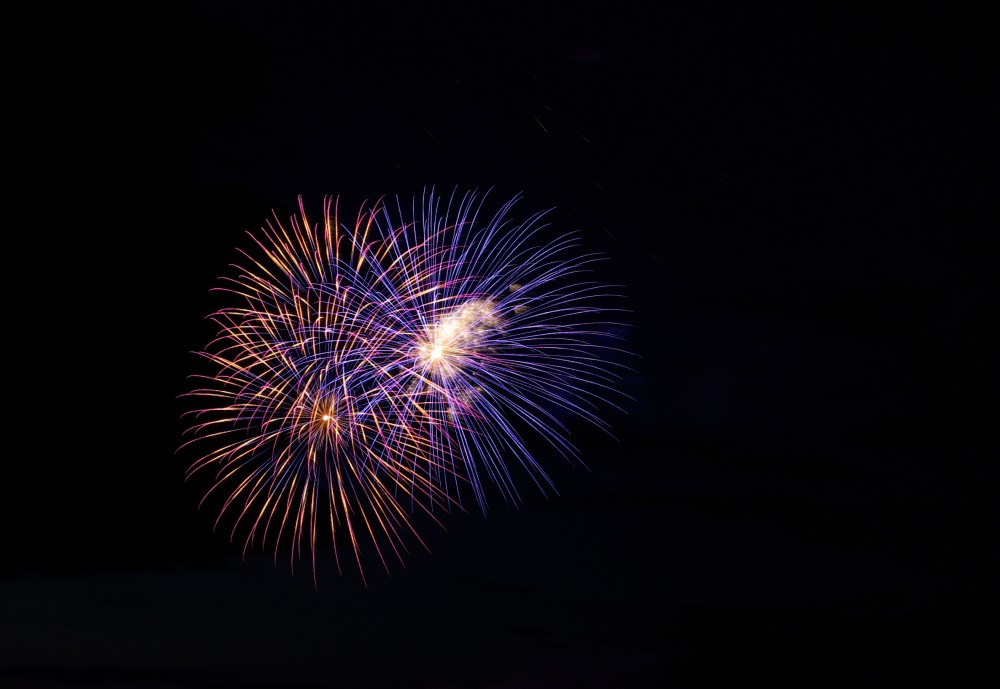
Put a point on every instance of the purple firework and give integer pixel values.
(366, 372)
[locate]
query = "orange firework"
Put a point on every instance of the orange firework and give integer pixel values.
(367, 373)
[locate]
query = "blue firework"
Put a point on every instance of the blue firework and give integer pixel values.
(398, 364)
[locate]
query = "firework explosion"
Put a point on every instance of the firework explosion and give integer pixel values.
(395, 366)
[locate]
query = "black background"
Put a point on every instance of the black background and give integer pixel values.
(801, 490)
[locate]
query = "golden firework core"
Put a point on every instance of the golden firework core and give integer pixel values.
(456, 335)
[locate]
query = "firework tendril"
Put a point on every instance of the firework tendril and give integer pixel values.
(394, 366)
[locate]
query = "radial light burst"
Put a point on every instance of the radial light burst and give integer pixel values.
(397, 365)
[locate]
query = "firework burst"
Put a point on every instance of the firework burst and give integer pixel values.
(371, 371)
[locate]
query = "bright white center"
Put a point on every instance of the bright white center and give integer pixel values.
(455, 336)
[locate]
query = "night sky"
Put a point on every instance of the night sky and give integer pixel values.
(800, 487)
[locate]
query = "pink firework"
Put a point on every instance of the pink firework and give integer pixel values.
(370, 372)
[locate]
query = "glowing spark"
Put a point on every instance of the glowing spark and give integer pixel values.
(362, 373)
